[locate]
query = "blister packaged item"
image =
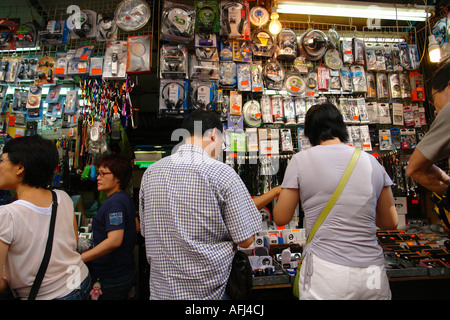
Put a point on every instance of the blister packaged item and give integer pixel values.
(77, 67)
(300, 109)
(55, 109)
(294, 84)
(53, 94)
(384, 113)
(405, 58)
(256, 77)
(408, 138)
(177, 22)
(225, 50)
(173, 61)
(363, 114)
(323, 78)
(379, 55)
(12, 69)
(286, 45)
(45, 71)
(96, 67)
(388, 57)
(62, 64)
(252, 140)
(346, 79)
(106, 27)
(34, 97)
(266, 109)
(235, 123)
(173, 97)
(262, 43)
(274, 75)
(238, 142)
(355, 136)
(365, 138)
(242, 51)
(19, 103)
(244, 82)
(358, 78)
(228, 76)
(416, 85)
(371, 59)
(26, 35)
(353, 110)
(371, 85)
(303, 141)
(335, 80)
(82, 24)
(277, 109)
(207, 16)
(422, 115)
(382, 86)
(54, 32)
(385, 139)
(138, 54)
(83, 53)
(203, 95)
(405, 89)
(115, 62)
(302, 65)
(28, 68)
(206, 47)
(235, 103)
(414, 56)
(286, 140)
(396, 61)
(358, 51)
(234, 17)
(311, 84)
(202, 69)
(333, 59)
(71, 102)
(347, 51)
(397, 114)
(408, 115)
(372, 111)
(252, 113)
(289, 110)
(344, 109)
(394, 86)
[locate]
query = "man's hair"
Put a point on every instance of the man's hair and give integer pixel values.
(324, 122)
(120, 167)
(208, 119)
(441, 77)
(38, 156)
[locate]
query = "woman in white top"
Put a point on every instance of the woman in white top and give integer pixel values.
(344, 259)
(27, 165)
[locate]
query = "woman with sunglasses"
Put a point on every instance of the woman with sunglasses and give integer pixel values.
(111, 260)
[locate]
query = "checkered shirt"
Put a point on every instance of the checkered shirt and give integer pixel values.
(192, 209)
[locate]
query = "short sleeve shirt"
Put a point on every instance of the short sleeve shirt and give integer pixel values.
(193, 209)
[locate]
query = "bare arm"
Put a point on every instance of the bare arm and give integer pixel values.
(386, 213)
(285, 206)
(426, 173)
(3, 251)
(267, 197)
(113, 241)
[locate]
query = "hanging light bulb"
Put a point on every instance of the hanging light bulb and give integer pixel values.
(433, 49)
(275, 25)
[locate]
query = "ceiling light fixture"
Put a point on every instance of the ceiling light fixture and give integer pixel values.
(275, 25)
(356, 9)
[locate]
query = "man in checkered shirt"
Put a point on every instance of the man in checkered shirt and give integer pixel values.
(193, 209)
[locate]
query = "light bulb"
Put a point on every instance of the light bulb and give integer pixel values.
(275, 25)
(433, 49)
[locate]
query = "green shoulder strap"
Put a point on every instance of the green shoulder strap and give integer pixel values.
(336, 194)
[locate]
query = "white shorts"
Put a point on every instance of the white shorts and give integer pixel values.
(330, 281)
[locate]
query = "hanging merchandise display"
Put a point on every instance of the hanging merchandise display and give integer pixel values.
(252, 113)
(177, 22)
(131, 15)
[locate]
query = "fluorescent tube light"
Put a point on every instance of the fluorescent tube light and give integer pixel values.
(355, 9)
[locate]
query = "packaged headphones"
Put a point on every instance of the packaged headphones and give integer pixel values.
(207, 16)
(173, 96)
(177, 22)
(83, 24)
(287, 45)
(173, 63)
(274, 74)
(259, 16)
(54, 32)
(313, 44)
(25, 36)
(252, 113)
(203, 95)
(262, 43)
(234, 19)
(106, 27)
(8, 28)
(138, 54)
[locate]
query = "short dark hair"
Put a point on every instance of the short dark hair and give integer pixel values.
(120, 167)
(38, 156)
(324, 122)
(208, 119)
(441, 77)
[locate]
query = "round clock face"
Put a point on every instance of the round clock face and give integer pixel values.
(132, 15)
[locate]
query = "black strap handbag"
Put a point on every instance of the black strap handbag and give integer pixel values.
(240, 282)
(48, 251)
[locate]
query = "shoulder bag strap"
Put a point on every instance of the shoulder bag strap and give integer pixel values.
(335, 195)
(48, 251)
